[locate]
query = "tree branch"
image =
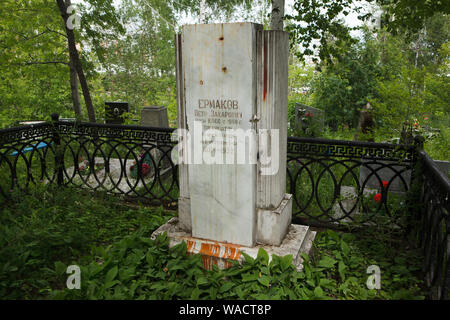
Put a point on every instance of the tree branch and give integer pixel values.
(41, 62)
(57, 32)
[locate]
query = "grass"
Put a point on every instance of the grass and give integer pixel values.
(140, 268)
(49, 225)
(438, 147)
(49, 229)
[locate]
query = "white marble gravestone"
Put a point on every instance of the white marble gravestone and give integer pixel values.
(223, 197)
(233, 76)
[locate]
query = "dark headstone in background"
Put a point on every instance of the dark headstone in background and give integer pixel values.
(114, 111)
(302, 109)
(366, 125)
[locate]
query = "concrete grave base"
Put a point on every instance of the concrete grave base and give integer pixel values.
(298, 240)
(273, 225)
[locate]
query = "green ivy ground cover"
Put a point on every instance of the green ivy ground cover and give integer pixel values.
(49, 229)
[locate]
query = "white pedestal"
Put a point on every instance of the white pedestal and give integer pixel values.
(298, 240)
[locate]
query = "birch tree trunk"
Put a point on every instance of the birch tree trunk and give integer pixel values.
(276, 20)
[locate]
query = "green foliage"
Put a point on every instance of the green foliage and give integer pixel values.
(110, 242)
(410, 15)
(344, 258)
(403, 77)
(35, 74)
(438, 147)
(49, 227)
(318, 25)
(139, 67)
(308, 124)
(347, 83)
(320, 22)
(395, 103)
(35, 62)
(215, 8)
(300, 80)
(415, 90)
(140, 268)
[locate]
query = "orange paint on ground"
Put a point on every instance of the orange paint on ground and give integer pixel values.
(189, 244)
(210, 253)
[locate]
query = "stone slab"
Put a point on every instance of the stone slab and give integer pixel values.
(399, 179)
(349, 199)
(318, 115)
(154, 116)
(184, 213)
(298, 240)
(232, 76)
(218, 71)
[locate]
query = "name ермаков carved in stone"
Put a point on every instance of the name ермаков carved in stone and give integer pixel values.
(217, 104)
(215, 117)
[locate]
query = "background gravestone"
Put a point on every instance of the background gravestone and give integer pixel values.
(114, 112)
(154, 116)
(303, 112)
(366, 124)
(399, 179)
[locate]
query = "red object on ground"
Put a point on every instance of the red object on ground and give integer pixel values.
(377, 197)
(145, 169)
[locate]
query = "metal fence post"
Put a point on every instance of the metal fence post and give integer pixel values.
(58, 154)
(413, 203)
(417, 172)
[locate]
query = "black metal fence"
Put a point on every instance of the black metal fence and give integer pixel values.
(433, 216)
(334, 183)
(132, 161)
(347, 182)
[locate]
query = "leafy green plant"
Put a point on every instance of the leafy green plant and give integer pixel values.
(141, 268)
(42, 235)
(50, 224)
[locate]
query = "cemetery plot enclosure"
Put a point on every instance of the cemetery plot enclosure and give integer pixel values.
(126, 160)
(333, 183)
(346, 181)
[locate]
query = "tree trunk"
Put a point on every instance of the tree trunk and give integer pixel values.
(202, 11)
(74, 90)
(276, 19)
(75, 59)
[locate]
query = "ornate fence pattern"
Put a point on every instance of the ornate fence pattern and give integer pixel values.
(131, 161)
(434, 227)
(27, 154)
(333, 183)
